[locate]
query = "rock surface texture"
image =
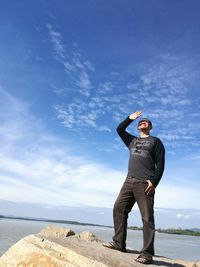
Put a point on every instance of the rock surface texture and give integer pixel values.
(61, 247)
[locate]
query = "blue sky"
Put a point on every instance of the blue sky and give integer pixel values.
(71, 71)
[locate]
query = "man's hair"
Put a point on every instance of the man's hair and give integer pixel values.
(145, 119)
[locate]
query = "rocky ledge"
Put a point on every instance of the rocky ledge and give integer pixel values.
(61, 247)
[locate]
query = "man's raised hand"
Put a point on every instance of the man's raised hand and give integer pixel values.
(135, 115)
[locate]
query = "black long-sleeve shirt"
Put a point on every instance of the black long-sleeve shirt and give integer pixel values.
(147, 155)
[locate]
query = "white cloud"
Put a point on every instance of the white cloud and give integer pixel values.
(183, 216)
(43, 171)
(169, 195)
(62, 183)
(104, 128)
(105, 87)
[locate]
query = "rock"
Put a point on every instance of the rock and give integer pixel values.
(60, 247)
(52, 231)
(88, 236)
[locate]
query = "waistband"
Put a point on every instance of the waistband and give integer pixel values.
(136, 180)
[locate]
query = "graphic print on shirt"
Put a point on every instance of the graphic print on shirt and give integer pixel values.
(141, 148)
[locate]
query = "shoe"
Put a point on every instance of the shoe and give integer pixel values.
(112, 245)
(144, 259)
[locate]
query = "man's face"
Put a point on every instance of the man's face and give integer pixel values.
(143, 125)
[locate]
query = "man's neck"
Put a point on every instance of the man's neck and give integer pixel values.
(144, 134)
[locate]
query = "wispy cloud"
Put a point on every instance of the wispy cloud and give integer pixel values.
(84, 83)
(56, 39)
(163, 85)
(75, 67)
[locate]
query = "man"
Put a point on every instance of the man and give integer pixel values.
(145, 169)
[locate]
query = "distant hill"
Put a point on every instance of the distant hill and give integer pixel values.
(195, 229)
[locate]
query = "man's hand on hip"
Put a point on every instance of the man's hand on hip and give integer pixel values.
(150, 188)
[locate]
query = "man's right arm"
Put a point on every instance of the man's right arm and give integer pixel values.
(121, 129)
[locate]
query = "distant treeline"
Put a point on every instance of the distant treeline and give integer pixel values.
(166, 231)
(179, 231)
(172, 231)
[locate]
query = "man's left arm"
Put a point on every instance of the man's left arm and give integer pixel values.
(159, 154)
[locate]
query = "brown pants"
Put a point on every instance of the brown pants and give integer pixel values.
(133, 191)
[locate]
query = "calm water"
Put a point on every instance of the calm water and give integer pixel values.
(172, 246)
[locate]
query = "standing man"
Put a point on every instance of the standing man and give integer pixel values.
(145, 169)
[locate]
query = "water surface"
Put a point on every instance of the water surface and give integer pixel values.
(168, 245)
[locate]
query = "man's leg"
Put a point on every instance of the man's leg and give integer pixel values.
(146, 206)
(122, 207)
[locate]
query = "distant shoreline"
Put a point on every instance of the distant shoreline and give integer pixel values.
(173, 231)
(178, 231)
(52, 221)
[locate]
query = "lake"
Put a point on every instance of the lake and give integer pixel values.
(168, 245)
